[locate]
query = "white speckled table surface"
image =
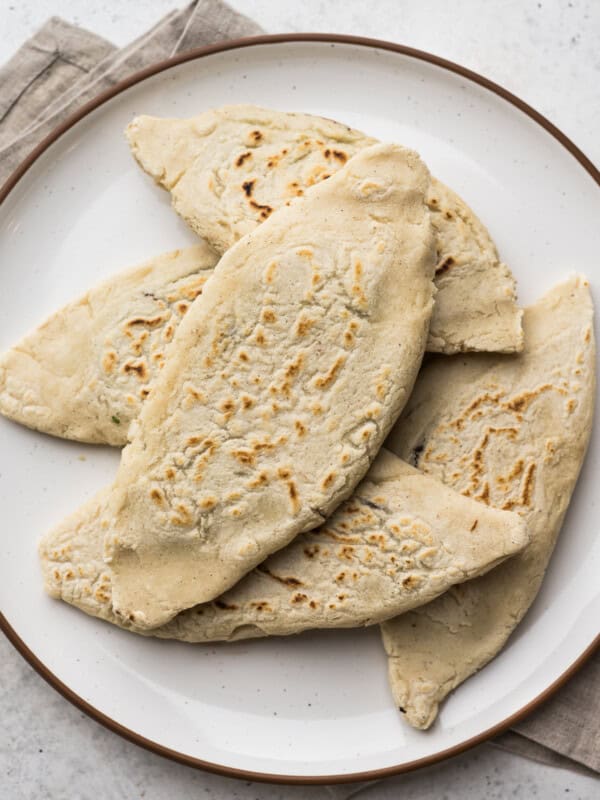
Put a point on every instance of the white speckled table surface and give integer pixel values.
(545, 51)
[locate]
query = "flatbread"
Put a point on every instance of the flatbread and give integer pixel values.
(402, 539)
(512, 433)
(228, 169)
(85, 372)
(279, 389)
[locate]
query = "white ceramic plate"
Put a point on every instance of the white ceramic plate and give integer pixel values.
(317, 705)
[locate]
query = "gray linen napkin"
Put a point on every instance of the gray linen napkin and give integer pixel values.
(62, 67)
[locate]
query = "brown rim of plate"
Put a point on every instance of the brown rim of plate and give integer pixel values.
(11, 634)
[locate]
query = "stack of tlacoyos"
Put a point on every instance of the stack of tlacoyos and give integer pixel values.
(257, 377)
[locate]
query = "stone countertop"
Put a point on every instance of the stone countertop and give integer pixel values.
(548, 53)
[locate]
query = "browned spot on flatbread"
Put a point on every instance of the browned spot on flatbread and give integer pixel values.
(328, 480)
(444, 266)
(275, 159)
(411, 582)
(528, 484)
(515, 471)
(261, 605)
(259, 446)
(338, 155)
(137, 345)
(346, 552)
(486, 397)
(264, 209)
(226, 606)
(484, 495)
(331, 534)
(194, 394)
(295, 188)
(359, 294)
(300, 427)
(227, 406)
(149, 322)
(287, 580)
(268, 315)
(109, 361)
(293, 368)
(241, 158)
(323, 381)
(193, 289)
(312, 550)
(137, 367)
(261, 480)
(317, 174)
(248, 187)
(183, 515)
(157, 497)
(245, 456)
(293, 493)
(521, 402)
(270, 271)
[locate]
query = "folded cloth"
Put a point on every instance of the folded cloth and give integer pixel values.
(60, 69)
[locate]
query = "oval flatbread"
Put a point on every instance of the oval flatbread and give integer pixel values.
(279, 389)
(401, 540)
(228, 169)
(511, 433)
